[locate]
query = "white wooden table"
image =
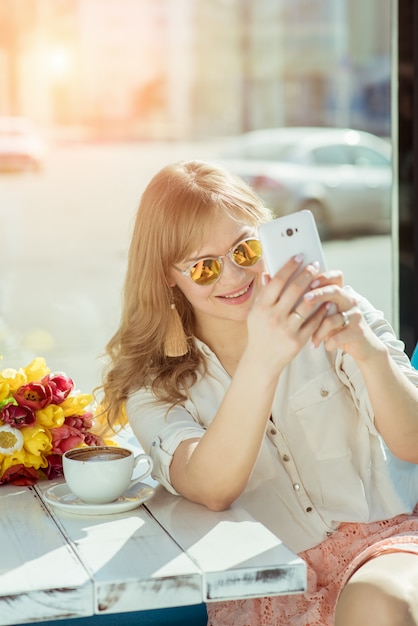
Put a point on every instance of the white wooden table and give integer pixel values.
(166, 553)
(40, 574)
(237, 555)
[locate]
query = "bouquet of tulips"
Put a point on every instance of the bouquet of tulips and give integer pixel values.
(41, 416)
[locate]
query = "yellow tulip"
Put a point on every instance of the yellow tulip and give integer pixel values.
(13, 378)
(37, 440)
(36, 369)
(111, 442)
(76, 405)
(4, 391)
(25, 458)
(52, 416)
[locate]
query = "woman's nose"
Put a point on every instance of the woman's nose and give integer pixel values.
(231, 268)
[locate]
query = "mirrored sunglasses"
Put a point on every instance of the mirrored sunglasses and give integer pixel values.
(207, 271)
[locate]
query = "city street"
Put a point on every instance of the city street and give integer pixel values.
(64, 236)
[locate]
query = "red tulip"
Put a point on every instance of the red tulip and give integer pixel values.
(61, 386)
(34, 395)
(65, 437)
(54, 468)
(81, 422)
(17, 416)
(20, 475)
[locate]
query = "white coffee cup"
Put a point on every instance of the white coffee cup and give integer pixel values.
(101, 474)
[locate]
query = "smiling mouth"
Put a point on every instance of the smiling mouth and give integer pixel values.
(238, 293)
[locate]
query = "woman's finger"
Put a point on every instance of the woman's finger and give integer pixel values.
(341, 326)
(276, 284)
(331, 294)
(331, 277)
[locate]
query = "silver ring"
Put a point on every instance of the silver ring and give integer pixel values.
(346, 321)
(299, 316)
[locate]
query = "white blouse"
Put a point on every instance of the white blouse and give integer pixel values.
(322, 461)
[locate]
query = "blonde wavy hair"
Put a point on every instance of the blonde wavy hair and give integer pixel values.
(173, 219)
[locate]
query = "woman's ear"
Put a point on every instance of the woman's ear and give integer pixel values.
(171, 278)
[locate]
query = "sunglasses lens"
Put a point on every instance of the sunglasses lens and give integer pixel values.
(247, 252)
(206, 271)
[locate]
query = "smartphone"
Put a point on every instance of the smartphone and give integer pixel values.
(289, 235)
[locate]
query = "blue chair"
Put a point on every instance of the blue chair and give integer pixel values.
(414, 358)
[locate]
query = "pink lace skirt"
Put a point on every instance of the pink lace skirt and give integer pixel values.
(330, 565)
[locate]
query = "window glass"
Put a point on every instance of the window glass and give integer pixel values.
(364, 156)
(116, 89)
(264, 151)
(331, 155)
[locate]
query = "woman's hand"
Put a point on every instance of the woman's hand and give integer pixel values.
(393, 397)
(344, 325)
(281, 322)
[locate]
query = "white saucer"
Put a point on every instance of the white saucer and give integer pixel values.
(62, 498)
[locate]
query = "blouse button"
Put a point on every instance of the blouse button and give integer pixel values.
(286, 458)
(309, 509)
(296, 486)
(329, 533)
(273, 431)
(324, 393)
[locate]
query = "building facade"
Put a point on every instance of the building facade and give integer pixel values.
(192, 69)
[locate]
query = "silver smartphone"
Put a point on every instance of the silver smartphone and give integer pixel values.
(289, 235)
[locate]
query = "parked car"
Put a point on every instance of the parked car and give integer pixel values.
(343, 176)
(21, 145)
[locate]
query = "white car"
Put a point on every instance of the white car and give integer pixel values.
(343, 176)
(21, 145)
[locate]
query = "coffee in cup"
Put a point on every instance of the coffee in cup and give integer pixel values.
(101, 474)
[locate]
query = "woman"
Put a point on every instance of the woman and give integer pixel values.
(221, 376)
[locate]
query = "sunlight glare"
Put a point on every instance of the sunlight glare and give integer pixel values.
(60, 62)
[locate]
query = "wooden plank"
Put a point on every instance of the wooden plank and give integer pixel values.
(239, 556)
(133, 562)
(40, 576)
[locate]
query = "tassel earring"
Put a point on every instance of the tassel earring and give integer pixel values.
(175, 343)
